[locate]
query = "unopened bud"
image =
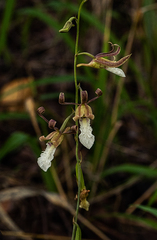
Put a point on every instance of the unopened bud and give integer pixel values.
(61, 98)
(67, 26)
(84, 97)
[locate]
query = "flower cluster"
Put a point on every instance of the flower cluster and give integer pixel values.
(83, 114)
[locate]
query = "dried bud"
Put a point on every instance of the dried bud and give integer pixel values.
(52, 124)
(83, 201)
(84, 97)
(84, 193)
(98, 92)
(61, 98)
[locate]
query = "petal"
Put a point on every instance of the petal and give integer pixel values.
(116, 71)
(86, 137)
(44, 161)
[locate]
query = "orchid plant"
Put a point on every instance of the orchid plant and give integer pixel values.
(82, 116)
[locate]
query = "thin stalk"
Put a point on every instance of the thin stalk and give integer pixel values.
(76, 101)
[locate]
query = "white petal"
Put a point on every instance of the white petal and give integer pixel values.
(116, 71)
(86, 137)
(44, 161)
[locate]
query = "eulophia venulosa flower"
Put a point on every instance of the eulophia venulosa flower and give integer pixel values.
(54, 139)
(110, 65)
(84, 114)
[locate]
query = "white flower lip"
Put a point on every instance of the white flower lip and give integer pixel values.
(44, 161)
(117, 71)
(86, 137)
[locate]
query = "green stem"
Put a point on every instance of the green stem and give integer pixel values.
(76, 101)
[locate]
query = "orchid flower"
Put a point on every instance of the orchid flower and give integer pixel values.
(54, 139)
(110, 65)
(84, 113)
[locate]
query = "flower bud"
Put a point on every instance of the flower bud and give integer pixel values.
(84, 97)
(67, 26)
(61, 98)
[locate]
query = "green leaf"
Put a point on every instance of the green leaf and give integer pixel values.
(5, 23)
(151, 210)
(9, 115)
(133, 169)
(78, 233)
(16, 140)
(139, 220)
(78, 169)
(49, 20)
(152, 198)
